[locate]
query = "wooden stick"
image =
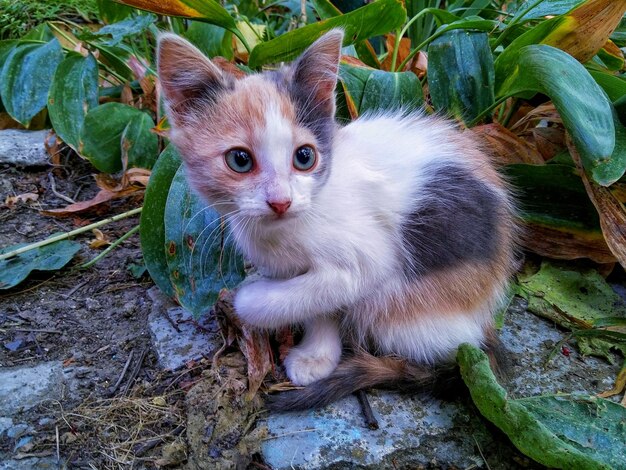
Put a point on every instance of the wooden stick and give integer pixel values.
(368, 414)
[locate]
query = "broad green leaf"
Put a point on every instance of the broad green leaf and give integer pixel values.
(132, 26)
(614, 86)
(209, 11)
(461, 74)
(152, 226)
(112, 12)
(140, 146)
(116, 58)
(39, 33)
(210, 39)
(575, 299)
(391, 91)
(100, 140)
(582, 104)
(537, 431)
(74, 91)
(201, 257)
(549, 8)
(46, 258)
(373, 19)
(553, 195)
(26, 76)
(352, 80)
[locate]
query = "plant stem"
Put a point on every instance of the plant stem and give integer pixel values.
(65, 236)
(516, 19)
(112, 246)
(396, 48)
(485, 112)
(62, 33)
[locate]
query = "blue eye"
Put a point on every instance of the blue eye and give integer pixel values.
(304, 158)
(239, 160)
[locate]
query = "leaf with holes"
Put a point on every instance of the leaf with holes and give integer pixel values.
(152, 227)
(201, 256)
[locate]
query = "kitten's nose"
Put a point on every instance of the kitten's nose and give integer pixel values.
(280, 207)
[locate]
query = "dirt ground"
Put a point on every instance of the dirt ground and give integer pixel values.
(93, 320)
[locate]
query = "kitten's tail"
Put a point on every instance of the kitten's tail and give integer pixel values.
(362, 371)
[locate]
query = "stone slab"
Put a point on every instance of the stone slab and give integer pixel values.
(22, 388)
(174, 348)
(420, 430)
(23, 148)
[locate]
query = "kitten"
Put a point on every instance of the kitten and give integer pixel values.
(393, 233)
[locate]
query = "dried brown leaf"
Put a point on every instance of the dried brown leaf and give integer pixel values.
(418, 64)
(94, 204)
(506, 147)
(11, 201)
(545, 112)
(404, 50)
(100, 240)
(255, 346)
(568, 245)
(611, 211)
(549, 141)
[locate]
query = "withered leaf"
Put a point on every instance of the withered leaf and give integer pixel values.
(506, 146)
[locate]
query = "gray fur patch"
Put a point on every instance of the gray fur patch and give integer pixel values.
(455, 221)
(310, 114)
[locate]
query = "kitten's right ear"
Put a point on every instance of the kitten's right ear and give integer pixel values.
(189, 80)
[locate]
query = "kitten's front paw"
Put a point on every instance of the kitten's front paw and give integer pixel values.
(252, 303)
(305, 366)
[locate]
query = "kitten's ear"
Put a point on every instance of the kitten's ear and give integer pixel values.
(189, 80)
(315, 71)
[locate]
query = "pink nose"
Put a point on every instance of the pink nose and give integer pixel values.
(280, 207)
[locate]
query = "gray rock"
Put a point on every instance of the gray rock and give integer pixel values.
(17, 431)
(43, 463)
(176, 348)
(25, 387)
(420, 430)
(5, 424)
(23, 148)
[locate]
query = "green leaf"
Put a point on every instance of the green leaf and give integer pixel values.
(553, 195)
(373, 19)
(391, 91)
(100, 140)
(582, 104)
(614, 86)
(140, 146)
(26, 76)
(116, 58)
(550, 8)
(73, 92)
(132, 26)
(208, 11)
(46, 258)
(210, 39)
(461, 74)
(201, 258)
(112, 12)
(39, 33)
(539, 433)
(152, 226)
(575, 299)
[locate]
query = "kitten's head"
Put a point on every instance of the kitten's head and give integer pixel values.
(258, 145)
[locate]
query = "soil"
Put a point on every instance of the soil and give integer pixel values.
(93, 320)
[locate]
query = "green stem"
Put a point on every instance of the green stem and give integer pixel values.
(516, 19)
(62, 33)
(485, 112)
(514, 107)
(419, 48)
(112, 246)
(65, 236)
(396, 48)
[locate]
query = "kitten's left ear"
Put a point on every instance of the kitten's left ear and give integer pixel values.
(314, 73)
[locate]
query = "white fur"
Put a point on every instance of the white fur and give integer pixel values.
(342, 250)
(318, 353)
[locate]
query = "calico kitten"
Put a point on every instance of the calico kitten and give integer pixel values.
(393, 234)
